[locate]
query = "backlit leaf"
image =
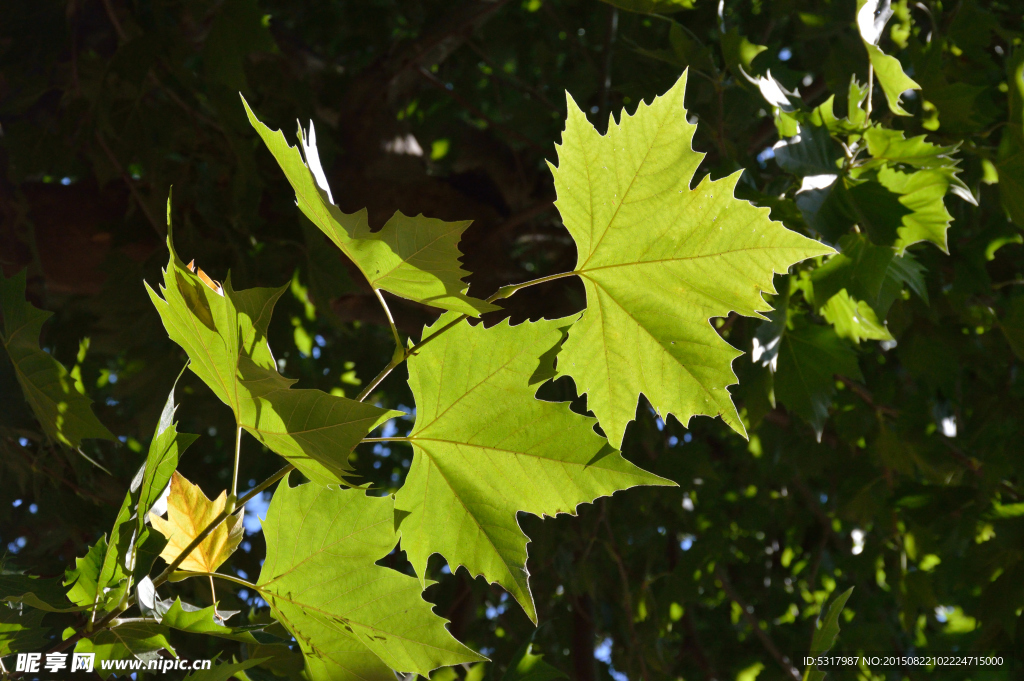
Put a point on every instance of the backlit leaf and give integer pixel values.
(224, 671)
(129, 641)
(486, 448)
(825, 635)
(872, 15)
(351, 618)
(525, 666)
(62, 411)
(225, 336)
(99, 580)
(412, 257)
(21, 630)
(658, 260)
(189, 511)
(36, 592)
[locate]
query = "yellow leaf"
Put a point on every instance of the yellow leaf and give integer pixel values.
(189, 511)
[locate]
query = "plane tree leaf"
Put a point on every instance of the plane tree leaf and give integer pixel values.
(224, 333)
(161, 461)
(412, 257)
(526, 666)
(224, 671)
(100, 579)
(128, 641)
(1010, 162)
(485, 449)
(826, 633)
(352, 619)
(652, 6)
(193, 620)
(658, 260)
(21, 630)
(872, 16)
(854, 319)
(64, 413)
(1012, 325)
(809, 357)
(189, 512)
(35, 592)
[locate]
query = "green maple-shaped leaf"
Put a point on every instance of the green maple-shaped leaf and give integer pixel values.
(35, 592)
(224, 671)
(486, 448)
(526, 666)
(352, 619)
(193, 620)
(224, 333)
(921, 174)
(412, 257)
(62, 411)
(810, 355)
(100, 579)
(162, 458)
(658, 260)
(872, 15)
(21, 630)
(129, 641)
(825, 635)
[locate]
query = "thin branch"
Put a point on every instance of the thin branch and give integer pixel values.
(748, 615)
(465, 104)
(499, 74)
(113, 20)
(864, 394)
(627, 597)
(160, 230)
(606, 76)
(221, 575)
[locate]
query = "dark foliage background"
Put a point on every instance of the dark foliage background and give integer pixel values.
(451, 109)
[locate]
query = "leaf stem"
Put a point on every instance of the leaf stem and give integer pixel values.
(238, 457)
(391, 320)
(501, 293)
(871, 88)
(221, 575)
(384, 439)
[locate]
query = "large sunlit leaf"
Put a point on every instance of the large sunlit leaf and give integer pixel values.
(412, 257)
(224, 333)
(658, 260)
(352, 619)
(64, 413)
(189, 512)
(486, 449)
